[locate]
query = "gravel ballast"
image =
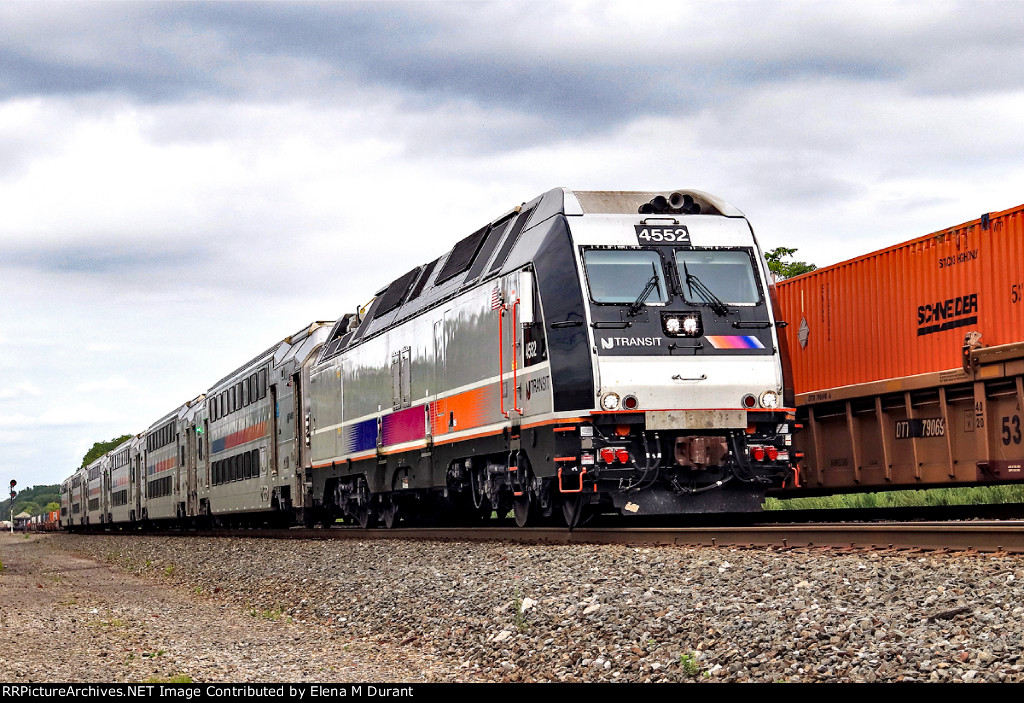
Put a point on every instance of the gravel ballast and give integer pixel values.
(485, 611)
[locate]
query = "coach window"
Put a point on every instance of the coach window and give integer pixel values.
(621, 275)
(263, 383)
(254, 389)
(245, 393)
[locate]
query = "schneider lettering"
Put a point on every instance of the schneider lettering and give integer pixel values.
(947, 314)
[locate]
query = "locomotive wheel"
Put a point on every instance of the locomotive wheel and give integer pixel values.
(389, 514)
(572, 510)
(524, 509)
(364, 516)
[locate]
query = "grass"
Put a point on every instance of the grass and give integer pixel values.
(116, 622)
(177, 678)
(169, 569)
(271, 614)
(975, 495)
(519, 617)
(689, 664)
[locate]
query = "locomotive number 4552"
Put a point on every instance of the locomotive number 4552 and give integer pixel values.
(646, 234)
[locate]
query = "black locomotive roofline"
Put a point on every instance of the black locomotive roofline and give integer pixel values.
(282, 440)
(432, 284)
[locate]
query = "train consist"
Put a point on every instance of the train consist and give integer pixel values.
(908, 363)
(586, 351)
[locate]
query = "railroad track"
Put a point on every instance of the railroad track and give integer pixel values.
(981, 536)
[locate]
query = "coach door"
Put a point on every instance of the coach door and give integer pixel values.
(285, 405)
(191, 487)
(139, 480)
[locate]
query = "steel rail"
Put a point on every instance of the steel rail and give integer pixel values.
(988, 536)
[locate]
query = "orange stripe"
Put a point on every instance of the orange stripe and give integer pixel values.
(555, 422)
(565, 458)
(472, 436)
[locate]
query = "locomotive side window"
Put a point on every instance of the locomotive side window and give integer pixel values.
(620, 275)
(727, 274)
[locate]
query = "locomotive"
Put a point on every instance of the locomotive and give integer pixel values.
(584, 352)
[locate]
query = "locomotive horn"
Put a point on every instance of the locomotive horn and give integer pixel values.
(680, 201)
(659, 203)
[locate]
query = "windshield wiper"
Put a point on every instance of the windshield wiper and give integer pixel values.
(634, 309)
(695, 284)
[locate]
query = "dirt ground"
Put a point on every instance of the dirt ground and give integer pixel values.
(70, 619)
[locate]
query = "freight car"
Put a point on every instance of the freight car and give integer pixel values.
(611, 351)
(908, 362)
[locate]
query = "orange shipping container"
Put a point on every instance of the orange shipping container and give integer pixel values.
(905, 310)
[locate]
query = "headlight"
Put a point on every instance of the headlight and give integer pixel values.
(610, 401)
(769, 399)
(684, 324)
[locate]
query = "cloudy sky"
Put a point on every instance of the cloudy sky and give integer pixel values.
(182, 184)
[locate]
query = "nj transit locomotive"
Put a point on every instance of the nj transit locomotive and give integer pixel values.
(611, 351)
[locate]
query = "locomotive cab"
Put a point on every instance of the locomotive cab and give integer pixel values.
(688, 392)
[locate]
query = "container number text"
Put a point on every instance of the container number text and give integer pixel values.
(924, 427)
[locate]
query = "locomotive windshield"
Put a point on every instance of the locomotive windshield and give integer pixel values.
(728, 275)
(621, 275)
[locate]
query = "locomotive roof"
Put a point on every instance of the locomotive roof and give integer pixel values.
(493, 250)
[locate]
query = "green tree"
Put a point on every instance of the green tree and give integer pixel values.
(30, 499)
(101, 448)
(778, 264)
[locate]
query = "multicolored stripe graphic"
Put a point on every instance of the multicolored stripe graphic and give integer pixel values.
(404, 426)
(360, 437)
(161, 466)
(246, 434)
(728, 341)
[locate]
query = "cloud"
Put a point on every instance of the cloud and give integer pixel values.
(565, 69)
(25, 388)
(79, 413)
(113, 383)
